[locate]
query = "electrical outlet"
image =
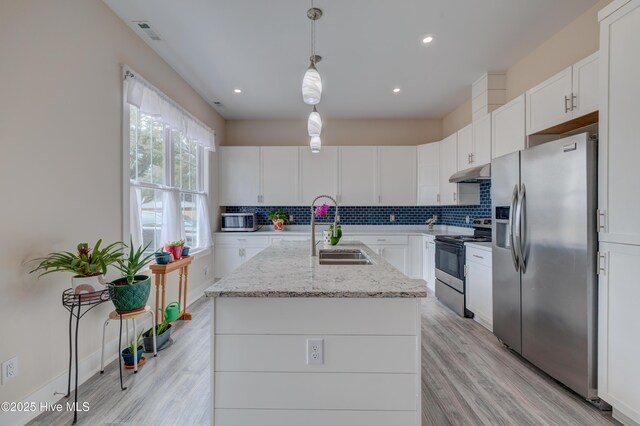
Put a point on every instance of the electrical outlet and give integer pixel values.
(315, 351)
(468, 220)
(206, 271)
(392, 217)
(290, 218)
(9, 370)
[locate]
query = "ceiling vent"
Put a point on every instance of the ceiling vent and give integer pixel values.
(148, 31)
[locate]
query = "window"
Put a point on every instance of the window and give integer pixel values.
(167, 176)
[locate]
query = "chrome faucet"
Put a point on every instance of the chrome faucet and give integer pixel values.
(313, 222)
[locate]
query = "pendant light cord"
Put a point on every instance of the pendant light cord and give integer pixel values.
(313, 39)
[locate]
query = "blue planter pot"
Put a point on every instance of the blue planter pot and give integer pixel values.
(128, 357)
(185, 250)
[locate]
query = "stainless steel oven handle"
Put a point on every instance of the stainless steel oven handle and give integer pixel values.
(514, 255)
(523, 228)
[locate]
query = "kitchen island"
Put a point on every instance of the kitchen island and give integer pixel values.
(298, 342)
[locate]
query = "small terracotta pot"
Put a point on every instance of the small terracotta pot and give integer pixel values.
(278, 224)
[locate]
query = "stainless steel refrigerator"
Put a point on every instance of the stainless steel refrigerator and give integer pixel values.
(544, 258)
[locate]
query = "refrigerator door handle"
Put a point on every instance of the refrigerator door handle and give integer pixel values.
(521, 224)
(514, 255)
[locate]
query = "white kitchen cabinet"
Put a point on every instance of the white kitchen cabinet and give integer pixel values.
(454, 194)
(319, 173)
(479, 282)
(619, 138)
(239, 176)
(358, 167)
(396, 255)
(397, 175)
(465, 147)
(280, 181)
(569, 94)
(619, 202)
(232, 250)
(618, 343)
(429, 261)
(448, 166)
(585, 86)
(428, 174)
(414, 252)
(508, 133)
(481, 153)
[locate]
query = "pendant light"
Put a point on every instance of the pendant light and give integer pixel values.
(314, 124)
(311, 82)
(315, 143)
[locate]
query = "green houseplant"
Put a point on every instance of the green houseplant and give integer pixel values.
(88, 265)
(163, 334)
(134, 346)
(279, 218)
(175, 248)
(131, 292)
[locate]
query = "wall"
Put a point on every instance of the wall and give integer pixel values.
(334, 132)
(414, 215)
(576, 41)
(61, 168)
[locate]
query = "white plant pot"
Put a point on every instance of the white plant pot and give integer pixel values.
(82, 285)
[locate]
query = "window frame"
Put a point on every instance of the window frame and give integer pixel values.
(203, 162)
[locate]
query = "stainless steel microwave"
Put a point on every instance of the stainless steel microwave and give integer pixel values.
(237, 222)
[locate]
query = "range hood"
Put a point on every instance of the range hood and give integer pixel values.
(472, 175)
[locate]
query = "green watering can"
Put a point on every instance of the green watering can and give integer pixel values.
(172, 312)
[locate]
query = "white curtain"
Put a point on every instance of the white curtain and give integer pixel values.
(172, 223)
(135, 216)
(155, 103)
(203, 239)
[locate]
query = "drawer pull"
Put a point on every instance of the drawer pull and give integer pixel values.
(242, 239)
(381, 239)
(479, 257)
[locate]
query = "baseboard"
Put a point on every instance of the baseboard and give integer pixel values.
(53, 392)
(623, 418)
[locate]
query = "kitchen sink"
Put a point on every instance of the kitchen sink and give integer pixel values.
(343, 257)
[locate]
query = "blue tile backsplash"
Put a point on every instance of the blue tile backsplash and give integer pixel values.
(379, 215)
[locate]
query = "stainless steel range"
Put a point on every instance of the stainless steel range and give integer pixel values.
(450, 261)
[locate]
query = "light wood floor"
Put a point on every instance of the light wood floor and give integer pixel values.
(468, 378)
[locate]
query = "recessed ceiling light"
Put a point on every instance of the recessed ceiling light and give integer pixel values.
(427, 39)
(237, 90)
(396, 90)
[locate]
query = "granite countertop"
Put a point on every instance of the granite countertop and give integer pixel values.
(285, 269)
(361, 230)
(478, 245)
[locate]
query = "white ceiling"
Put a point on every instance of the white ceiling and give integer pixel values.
(368, 48)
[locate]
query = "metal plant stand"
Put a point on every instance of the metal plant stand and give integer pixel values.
(78, 305)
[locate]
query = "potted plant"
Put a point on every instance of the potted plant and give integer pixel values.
(279, 218)
(163, 333)
(127, 353)
(131, 292)
(175, 248)
(88, 265)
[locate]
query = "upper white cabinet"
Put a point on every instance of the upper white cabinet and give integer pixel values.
(508, 128)
(454, 194)
(448, 166)
(397, 175)
(319, 173)
(428, 174)
(358, 167)
(239, 176)
(619, 144)
(569, 94)
(280, 176)
(465, 147)
(481, 153)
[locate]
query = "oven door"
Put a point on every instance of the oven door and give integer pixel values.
(450, 259)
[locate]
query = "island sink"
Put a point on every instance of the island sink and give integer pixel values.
(344, 257)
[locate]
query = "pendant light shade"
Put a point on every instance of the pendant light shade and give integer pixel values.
(311, 86)
(314, 125)
(315, 144)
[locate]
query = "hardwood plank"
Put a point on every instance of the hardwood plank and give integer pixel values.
(468, 378)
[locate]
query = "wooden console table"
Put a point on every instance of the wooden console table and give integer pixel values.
(160, 272)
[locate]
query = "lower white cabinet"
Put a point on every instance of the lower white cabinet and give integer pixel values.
(429, 261)
(618, 343)
(231, 252)
(479, 284)
(415, 257)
